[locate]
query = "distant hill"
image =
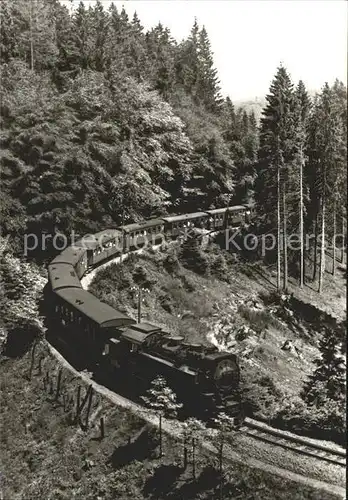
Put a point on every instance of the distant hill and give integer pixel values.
(255, 105)
(258, 103)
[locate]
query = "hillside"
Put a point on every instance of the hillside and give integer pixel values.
(97, 132)
(210, 297)
(47, 453)
(103, 124)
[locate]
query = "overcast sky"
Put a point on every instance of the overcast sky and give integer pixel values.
(250, 38)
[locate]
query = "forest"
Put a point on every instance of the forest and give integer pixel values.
(104, 123)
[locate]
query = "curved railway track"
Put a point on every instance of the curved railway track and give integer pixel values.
(253, 428)
(257, 429)
(293, 442)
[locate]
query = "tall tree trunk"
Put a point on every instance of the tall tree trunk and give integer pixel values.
(315, 257)
(343, 242)
(301, 223)
(31, 35)
(285, 250)
(322, 252)
(334, 240)
(278, 228)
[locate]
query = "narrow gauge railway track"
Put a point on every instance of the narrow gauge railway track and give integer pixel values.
(293, 443)
(256, 429)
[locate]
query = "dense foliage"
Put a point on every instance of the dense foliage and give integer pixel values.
(103, 123)
(21, 285)
(300, 186)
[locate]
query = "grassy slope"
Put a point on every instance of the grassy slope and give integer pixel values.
(201, 308)
(44, 455)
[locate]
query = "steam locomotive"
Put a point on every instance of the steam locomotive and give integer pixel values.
(205, 379)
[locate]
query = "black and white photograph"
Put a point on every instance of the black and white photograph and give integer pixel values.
(173, 249)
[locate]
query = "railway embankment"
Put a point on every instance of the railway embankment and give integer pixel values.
(54, 446)
(216, 298)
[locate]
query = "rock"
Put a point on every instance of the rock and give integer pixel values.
(289, 346)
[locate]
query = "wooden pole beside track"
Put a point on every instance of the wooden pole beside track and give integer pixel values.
(139, 304)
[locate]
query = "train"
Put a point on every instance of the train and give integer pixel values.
(205, 379)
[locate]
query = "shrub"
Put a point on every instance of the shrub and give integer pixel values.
(171, 263)
(219, 268)
(327, 421)
(193, 257)
(21, 338)
(260, 394)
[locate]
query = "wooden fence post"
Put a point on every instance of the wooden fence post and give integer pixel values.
(32, 359)
(41, 358)
(102, 430)
(59, 380)
(89, 404)
(78, 402)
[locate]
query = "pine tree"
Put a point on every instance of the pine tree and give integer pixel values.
(194, 430)
(163, 400)
(160, 49)
(9, 32)
(30, 30)
(187, 61)
(276, 154)
(81, 26)
(207, 87)
(68, 59)
(99, 25)
(225, 425)
(328, 379)
(326, 158)
(338, 200)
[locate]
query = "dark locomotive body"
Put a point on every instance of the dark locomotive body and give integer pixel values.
(205, 379)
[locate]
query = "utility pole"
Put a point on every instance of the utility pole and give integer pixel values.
(140, 291)
(139, 304)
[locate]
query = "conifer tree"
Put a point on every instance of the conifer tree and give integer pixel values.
(187, 62)
(163, 400)
(160, 52)
(99, 25)
(194, 430)
(208, 90)
(338, 200)
(225, 425)
(9, 32)
(325, 155)
(328, 379)
(276, 153)
(81, 26)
